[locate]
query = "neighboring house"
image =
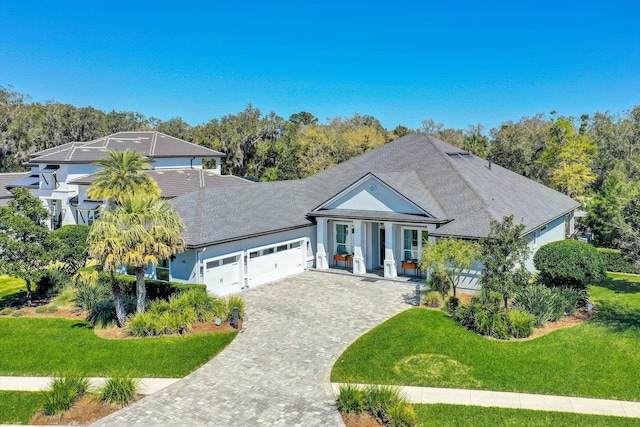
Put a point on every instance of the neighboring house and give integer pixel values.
(372, 212)
(5, 180)
(61, 175)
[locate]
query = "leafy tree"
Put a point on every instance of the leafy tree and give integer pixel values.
(450, 257)
(175, 127)
(504, 253)
(606, 210)
(519, 146)
(400, 131)
(24, 246)
(71, 241)
(569, 263)
(437, 130)
(569, 155)
(239, 137)
(120, 176)
(475, 142)
(138, 232)
(303, 118)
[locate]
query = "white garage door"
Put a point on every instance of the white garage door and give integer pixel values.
(222, 275)
(267, 264)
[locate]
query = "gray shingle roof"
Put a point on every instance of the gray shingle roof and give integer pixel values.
(179, 181)
(441, 179)
(152, 144)
(11, 180)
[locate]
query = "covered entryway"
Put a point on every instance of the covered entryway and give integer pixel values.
(274, 262)
(223, 275)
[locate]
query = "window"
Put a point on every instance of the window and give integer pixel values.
(413, 240)
(282, 248)
(344, 238)
(229, 260)
(92, 216)
(267, 251)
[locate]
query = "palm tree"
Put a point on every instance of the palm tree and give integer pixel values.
(139, 231)
(120, 175)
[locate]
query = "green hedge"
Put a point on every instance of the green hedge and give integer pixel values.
(613, 260)
(569, 263)
(156, 289)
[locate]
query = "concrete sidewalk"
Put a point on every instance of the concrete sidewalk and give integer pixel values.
(579, 405)
(147, 385)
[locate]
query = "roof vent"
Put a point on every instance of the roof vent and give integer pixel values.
(458, 153)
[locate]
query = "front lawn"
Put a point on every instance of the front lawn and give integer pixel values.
(47, 347)
(463, 416)
(11, 289)
(18, 407)
(427, 348)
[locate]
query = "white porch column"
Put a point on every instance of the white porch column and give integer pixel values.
(321, 253)
(390, 270)
(359, 266)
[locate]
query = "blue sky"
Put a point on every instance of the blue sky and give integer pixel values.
(460, 62)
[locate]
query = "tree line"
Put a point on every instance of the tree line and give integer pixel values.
(593, 158)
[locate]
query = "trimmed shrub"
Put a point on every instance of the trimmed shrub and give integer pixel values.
(451, 303)
(119, 391)
(433, 299)
(103, 314)
(6, 311)
(438, 281)
(521, 323)
(63, 393)
(379, 398)
(179, 314)
(538, 300)
(572, 299)
(569, 263)
(88, 296)
(612, 260)
(144, 325)
(52, 281)
(18, 313)
(401, 415)
(350, 399)
(42, 309)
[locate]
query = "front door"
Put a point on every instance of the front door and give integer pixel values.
(382, 246)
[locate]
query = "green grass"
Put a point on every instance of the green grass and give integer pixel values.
(18, 407)
(463, 416)
(427, 348)
(46, 347)
(11, 290)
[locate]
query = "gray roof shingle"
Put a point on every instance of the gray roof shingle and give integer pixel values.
(444, 181)
(152, 144)
(13, 179)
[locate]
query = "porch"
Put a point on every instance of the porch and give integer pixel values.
(384, 248)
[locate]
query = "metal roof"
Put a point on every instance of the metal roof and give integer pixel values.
(89, 205)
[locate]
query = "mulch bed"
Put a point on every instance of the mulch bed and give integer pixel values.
(85, 411)
(360, 420)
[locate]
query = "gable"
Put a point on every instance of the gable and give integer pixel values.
(372, 194)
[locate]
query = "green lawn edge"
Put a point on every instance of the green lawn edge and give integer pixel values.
(18, 407)
(421, 347)
(48, 347)
(444, 415)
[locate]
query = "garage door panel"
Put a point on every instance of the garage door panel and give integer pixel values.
(222, 278)
(274, 266)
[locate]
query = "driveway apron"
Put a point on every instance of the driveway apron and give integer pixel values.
(276, 372)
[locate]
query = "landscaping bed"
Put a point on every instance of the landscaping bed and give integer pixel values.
(596, 358)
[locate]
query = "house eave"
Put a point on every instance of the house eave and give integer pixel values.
(247, 236)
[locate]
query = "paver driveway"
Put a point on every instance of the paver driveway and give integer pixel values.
(276, 372)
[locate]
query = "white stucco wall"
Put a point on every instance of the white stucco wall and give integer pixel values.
(552, 232)
(186, 266)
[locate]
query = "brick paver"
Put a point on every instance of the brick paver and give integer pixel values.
(276, 372)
